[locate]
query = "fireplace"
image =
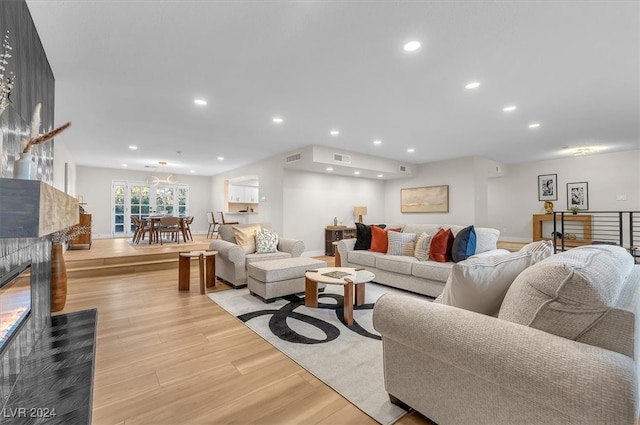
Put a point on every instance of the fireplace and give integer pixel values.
(15, 302)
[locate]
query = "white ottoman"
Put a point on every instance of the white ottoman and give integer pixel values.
(271, 279)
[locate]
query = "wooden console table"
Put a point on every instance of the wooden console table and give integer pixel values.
(334, 234)
(583, 219)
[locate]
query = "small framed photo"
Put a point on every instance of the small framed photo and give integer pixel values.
(548, 187)
(578, 196)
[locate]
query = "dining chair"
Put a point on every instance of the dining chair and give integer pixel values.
(213, 225)
(170, 225)
(227, 222)
(187, 227)
(141, 228)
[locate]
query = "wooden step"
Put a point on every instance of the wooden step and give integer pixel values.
(121, 265)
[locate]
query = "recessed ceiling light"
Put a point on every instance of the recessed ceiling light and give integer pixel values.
(412, 46)
(509, 108)
(411, 150)
(329, 169)
(356, 172)
(124, 165)
(133, 147)
(162, 162)
(200, 102)
(534, 125)
(472, 85)
(380, 175)
(334, 132)
(221, 158)
(277, 120)
(377, 142)
(192, 171)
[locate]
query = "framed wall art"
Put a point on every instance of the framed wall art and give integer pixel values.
(425, 199)
(578, 196)
(548, 187)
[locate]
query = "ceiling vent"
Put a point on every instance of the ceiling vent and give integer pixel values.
(404, 169)
(293, 158)
(342, 158)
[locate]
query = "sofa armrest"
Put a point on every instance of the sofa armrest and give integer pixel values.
(228, 251)
(292, 246)
(344, 246)
(579, 380)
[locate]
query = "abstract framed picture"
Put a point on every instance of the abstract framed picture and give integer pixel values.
(548, 187)
(578, 196)
(425, 199)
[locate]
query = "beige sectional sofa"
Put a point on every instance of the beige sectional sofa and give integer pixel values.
(232, 261)
(563, 350)
(408, 273)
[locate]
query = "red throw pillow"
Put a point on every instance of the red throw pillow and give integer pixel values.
(441, 245)
(379, 239)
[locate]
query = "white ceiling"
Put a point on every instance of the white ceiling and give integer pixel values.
(127, 72)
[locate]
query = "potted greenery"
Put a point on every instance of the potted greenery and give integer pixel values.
(574, 209)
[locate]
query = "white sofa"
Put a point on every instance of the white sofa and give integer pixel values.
(231, 260)
(563, 350)
(408, 273)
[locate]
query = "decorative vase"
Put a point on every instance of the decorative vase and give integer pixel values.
(25, 168)
(58, 278)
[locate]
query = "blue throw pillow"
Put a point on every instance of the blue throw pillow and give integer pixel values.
(464, 244)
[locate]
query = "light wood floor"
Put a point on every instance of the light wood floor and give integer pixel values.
(169, 357)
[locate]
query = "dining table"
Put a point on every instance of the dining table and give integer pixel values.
(153, 219)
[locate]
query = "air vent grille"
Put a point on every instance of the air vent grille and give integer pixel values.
(293, 158)
(404, 169)
(338, 157)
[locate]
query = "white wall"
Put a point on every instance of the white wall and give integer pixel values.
(62, 156)
(312, 200)
(94, 185)
(514, 198)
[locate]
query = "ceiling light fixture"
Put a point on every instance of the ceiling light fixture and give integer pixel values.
(509, 108)
(380, 175)
(200, 102)
(133, 147)
(124, 165)
(278, 120)
(472, 85)
(154, 180)
(412, 46)
(221, 158)
(534, 125)
(356, 173)
(192, 171)
(377, 142)
(411, 150)
(584, 151)
(329, 169)
(334, 132)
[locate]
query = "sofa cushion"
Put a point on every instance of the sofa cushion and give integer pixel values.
(363, 258)
(441, 244)
(421, 251)
(395, 263)
(246, 237)
(266, 241)
(252, 258)
(464, 244)
(480, 283)
(401, 243)
(431, 270)
(575, 295)
(486, 239)
(363, 237)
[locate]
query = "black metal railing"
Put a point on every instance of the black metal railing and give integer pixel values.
(620, 228)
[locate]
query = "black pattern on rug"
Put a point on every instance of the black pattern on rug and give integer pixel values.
(280, 328)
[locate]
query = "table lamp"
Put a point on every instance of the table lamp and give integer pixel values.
(359, 211)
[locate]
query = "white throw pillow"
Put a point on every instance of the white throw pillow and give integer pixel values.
(400, 243)
(266, 241)
(421, 251)
(542, 249)
(480, 283)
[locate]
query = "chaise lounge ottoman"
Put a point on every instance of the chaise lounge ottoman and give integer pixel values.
(271, 279)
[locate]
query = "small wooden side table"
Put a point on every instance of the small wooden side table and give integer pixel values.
(184, 269)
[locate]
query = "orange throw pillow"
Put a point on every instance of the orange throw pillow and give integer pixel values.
(379, 239)
(441, 245)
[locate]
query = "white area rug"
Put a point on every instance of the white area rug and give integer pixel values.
(341, 357)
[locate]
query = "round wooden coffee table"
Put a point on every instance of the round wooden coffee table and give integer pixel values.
(349, 277)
